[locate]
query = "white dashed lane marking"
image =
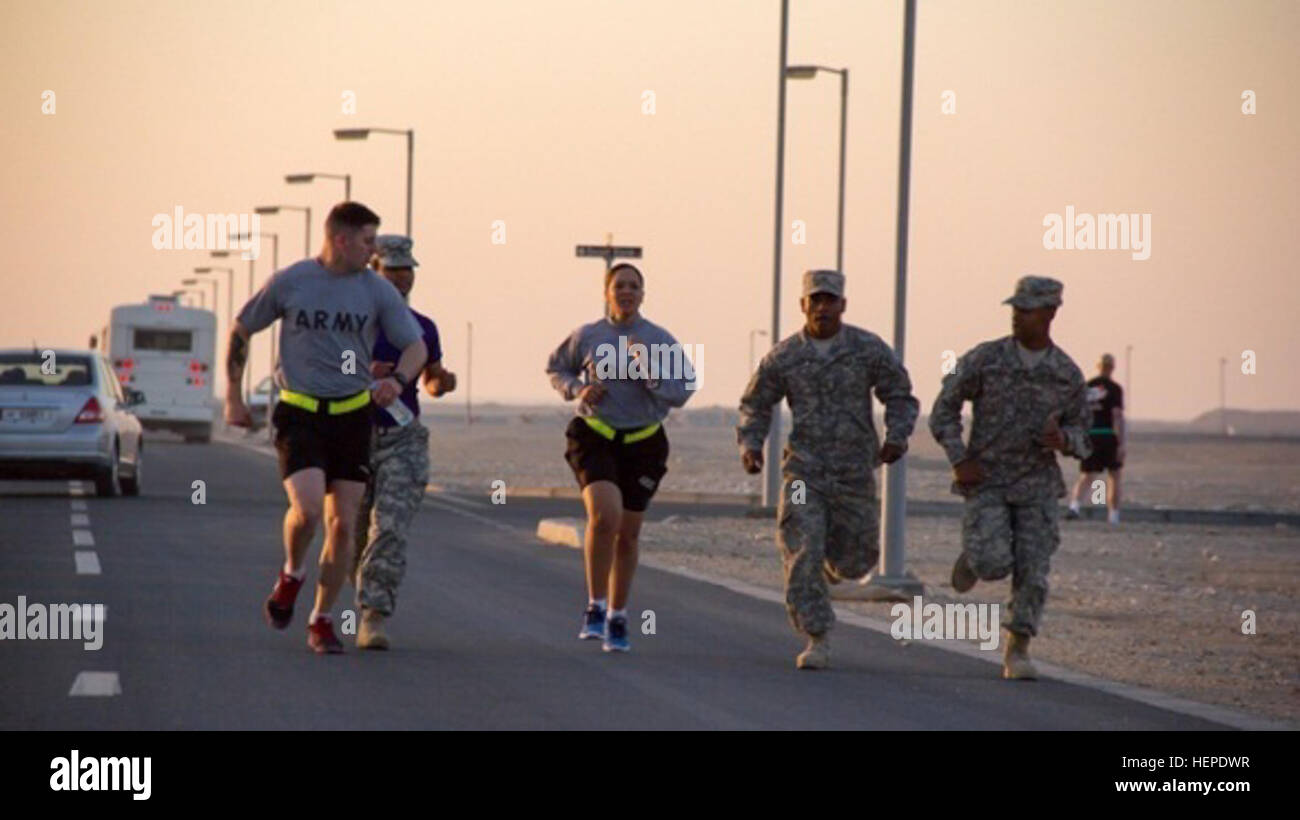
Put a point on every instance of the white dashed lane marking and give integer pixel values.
(82, 537)
(87, 562)
(78, 505)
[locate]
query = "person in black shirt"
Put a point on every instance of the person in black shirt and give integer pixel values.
(1106, 400)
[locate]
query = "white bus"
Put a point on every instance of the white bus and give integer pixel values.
(168, 352)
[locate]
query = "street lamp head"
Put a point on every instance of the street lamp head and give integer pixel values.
(190, 281)
(801, 72)
(351, 133)
(267, 210)
(223, 254)
(203, 270)
(291, 178)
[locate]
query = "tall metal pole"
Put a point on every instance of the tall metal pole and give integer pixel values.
(306, 244)
(248, 370)
(1223, 395)
(347, 187)
(410, 160)
(469, 375)
(891, 581)
(1128, 381)
(772, 458)
(844, 118)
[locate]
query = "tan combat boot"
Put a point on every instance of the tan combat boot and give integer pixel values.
(1015, 660)
(371, 634)
(963, 577)
(817, 655)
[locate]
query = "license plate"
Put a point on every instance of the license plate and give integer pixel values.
(27, 415)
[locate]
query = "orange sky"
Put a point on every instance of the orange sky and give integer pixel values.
(531, 113)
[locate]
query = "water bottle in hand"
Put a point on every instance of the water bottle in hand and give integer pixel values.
(397, 410)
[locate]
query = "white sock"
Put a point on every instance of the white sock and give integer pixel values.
(618, 613)
(1074, 506)
(597, 602)
(1113, 517)
(317, 615)
(298, 575)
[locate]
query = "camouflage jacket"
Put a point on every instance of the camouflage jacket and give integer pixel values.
(1011, 406)
(830, 399)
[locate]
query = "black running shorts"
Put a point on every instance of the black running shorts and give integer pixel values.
(1105, 454)
(339, 445)
(636, 468)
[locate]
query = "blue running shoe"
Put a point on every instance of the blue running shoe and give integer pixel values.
(593, 624)
(616, 635)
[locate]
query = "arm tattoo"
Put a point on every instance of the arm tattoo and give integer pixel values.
(236, 357)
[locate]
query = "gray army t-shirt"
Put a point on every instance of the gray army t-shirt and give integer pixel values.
(323, 316)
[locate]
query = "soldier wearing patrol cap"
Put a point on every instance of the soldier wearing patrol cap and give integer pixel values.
(399, 459)
(1028, 401)
(828, 519)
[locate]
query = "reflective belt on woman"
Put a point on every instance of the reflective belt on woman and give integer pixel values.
(628, 436)
(335, 408)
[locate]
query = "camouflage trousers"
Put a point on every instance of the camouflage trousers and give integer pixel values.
(399, 471)
(1002, 538)
(824, 526)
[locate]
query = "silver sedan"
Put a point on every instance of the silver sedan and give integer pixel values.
(64, 414)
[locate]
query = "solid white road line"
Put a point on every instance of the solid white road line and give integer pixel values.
(87, 562)
(96, 684)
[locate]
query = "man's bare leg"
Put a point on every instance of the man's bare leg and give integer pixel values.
(306, 491)
(341, 507)
(1085, 480)
(625, 558)
(604, 503)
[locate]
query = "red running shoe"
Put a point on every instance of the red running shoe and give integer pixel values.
(279, 607)
(321, 638)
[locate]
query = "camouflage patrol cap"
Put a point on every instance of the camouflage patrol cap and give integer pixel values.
(1036, 292)
(823, 281)
(394, 251)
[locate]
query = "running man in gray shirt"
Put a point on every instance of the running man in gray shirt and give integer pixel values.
(331, 309)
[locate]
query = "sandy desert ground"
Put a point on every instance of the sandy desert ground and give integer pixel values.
(1155, 605)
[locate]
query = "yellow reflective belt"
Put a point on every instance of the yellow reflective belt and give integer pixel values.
(610, 433)
(640, 434)
(336, 408)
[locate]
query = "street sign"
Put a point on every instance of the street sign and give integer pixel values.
(610, 251)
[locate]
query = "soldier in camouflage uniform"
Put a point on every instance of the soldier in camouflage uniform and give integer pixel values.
(399, 462)
(828, 518)
(1029, 401)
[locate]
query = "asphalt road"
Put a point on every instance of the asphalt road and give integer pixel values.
(484, 635)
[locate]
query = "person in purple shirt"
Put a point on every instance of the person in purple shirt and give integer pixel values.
(399, 460)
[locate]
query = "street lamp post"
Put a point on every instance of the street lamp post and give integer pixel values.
(1128, 382)
(347, 181)
(230, 297)
(248, 371)
(1223, 395)
(363, 133)
(212, 282)
(275, 266)
(807, 72)
(271, 210)
(891, 581)
(771, 460)
(192, 292)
